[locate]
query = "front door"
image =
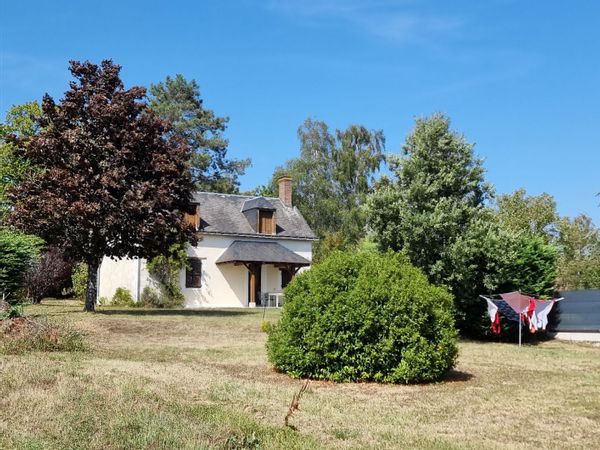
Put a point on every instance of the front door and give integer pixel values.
(254, 271)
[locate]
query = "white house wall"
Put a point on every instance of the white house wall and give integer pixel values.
(114, 274)
(224, 285)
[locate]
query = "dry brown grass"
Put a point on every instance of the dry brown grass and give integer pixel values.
(198, 379)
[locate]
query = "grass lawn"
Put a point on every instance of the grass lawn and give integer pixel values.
(198, 379)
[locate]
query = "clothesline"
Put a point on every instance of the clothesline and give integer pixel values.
(525, 307)
(522, 293)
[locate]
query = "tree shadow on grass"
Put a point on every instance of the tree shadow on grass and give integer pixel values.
(528, 339)
(454, 376)
(173, 312)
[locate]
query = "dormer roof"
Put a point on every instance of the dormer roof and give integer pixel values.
(257, 203)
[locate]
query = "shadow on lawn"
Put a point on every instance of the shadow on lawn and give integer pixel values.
(172, 312)
(457, 376)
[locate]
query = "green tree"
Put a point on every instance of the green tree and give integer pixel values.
(534, 214)
(437, 192)
(178, 101)
(488, 258)
(332, 178)
(21, 122)
(579, 261)
(533, 270)
(434, 210)
(115, 180)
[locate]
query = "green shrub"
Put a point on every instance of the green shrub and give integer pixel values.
(79, 280)
(151, 299)
(165, 270)
(21, 334)
(265, 326)
(363, 316)
(243, 442)
(122, 297)
(10, 311)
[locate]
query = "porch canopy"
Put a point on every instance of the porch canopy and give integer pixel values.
(248, 252)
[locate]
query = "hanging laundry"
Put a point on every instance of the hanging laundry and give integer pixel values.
(540, 315)
(505, 310)
(529, 317)
(496, 328)
(494, 316)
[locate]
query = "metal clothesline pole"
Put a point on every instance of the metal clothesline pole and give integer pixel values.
(520, 318)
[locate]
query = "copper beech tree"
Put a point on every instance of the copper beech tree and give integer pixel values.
(112, 181)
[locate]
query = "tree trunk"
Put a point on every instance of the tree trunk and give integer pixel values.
(92, 287)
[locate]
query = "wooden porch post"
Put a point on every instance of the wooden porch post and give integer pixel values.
(253, 282)
(252, 287)
(288, 272)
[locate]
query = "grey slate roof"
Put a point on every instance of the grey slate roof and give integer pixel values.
(257, 202)
(264, 252)
(222, 214)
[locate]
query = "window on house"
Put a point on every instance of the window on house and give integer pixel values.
(193, 273)
(266, 224)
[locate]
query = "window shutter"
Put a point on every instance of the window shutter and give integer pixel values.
(197, 276)
(266, 222)
(193, 273)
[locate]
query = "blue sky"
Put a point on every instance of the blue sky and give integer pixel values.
(521, 79)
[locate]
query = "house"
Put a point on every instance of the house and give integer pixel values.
(249, 248)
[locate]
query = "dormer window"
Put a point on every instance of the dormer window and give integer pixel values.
(192, 216)
(260, 214)
(266, 222)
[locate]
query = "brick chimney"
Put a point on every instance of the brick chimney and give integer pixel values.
(285, 190)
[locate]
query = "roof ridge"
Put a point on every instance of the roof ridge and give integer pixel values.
(236, 195)
(221, 193)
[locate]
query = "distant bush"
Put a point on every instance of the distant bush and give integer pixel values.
(49, 276)
(363, 316)
(18, 253)
(10, 311)
(79, 280)
(21, 334)
(122, 297)
(165, 270)
(265, 326)
(151, 298)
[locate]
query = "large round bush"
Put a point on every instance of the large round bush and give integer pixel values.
(364, 316)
